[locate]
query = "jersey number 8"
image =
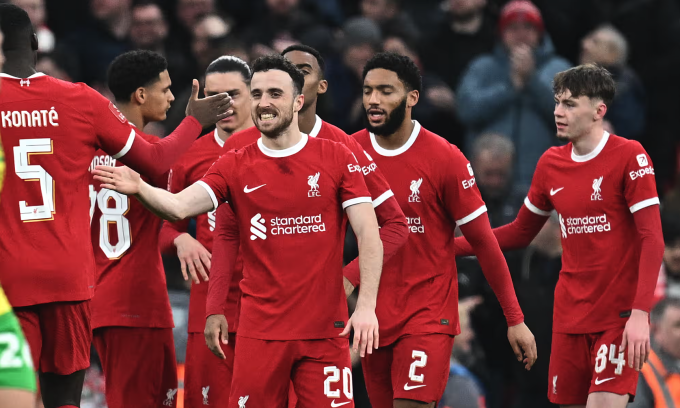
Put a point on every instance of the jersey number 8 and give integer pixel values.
(112, 215)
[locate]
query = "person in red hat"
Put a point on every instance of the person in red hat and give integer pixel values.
(509, 90)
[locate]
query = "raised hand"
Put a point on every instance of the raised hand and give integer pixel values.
(121, 179)
(209, 110)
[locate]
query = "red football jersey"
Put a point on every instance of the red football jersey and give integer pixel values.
(289, 206)
(51, 130)
(435, 187)
(130, 287)
(188, 170)
(595, 196)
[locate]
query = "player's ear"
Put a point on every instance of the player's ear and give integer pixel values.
(412, 98)
(139, 96)
(322, 88)
(601, 110)
(299, 102)
(34, 42)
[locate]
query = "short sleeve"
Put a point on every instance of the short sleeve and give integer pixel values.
(216, 179)
(352, 189)
(460, 193)
(115, 135)
(537, 200)
(376, 183)
(639, 180)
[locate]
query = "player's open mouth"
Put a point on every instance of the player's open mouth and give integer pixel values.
(375, 115)
(561, 125)
(267, 116)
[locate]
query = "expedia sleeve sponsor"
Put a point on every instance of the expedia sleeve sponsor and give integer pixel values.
(641, 173)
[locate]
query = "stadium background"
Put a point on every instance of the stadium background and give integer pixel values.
(638, 40)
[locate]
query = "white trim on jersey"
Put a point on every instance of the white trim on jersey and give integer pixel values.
(127, 147)
(580, 159)
(476, 213)
(317, 127)
(36, 75)
(210, 192)
(383, 197)
(644, 204)
(285, 152)
(535, 209)
(402, 149)
(218, 139)
(357, 200)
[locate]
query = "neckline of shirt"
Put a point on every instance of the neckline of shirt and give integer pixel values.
(584, 158)
(387, 152)
(218, 139)
(36, 75)
(285, 152)
(317, 127)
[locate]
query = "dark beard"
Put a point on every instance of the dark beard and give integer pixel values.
(392, 122)
(278, 130)
(464, 18)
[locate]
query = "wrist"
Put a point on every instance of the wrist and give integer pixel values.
(365, 304)
(639, 312)
(180, 239)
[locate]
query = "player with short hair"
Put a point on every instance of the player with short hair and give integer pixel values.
(131, 314)
(418, 301)
(603, 189)
(393, 230)
(47, 266)
(17, 379)
(288, 192)
(207, 378)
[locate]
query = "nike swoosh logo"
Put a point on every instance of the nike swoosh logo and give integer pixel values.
(553, 192)
(333, 404)
(598, 381)
(250, 190)
(411, 387)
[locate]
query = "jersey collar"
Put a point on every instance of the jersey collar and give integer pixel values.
(316, 128)
(402, 149)
(285, 152)
(579, 159)
(36, 75)
(218, 139)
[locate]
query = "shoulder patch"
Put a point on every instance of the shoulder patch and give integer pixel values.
(116, 112)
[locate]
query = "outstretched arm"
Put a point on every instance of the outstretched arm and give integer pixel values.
(518, 234)
(190, 202)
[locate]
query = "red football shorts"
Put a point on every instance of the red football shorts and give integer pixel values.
(207, 378)
(320, 370)
(415, 367)
(585, 363)
(59, 335)
(139, 366)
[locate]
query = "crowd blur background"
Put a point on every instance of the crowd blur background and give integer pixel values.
(487, 69)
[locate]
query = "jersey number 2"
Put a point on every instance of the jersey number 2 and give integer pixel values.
(32, 172)
(115, 215)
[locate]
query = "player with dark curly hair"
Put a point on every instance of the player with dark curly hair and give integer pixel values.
(418, 301)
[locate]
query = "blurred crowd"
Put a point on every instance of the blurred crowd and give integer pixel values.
(487, 87)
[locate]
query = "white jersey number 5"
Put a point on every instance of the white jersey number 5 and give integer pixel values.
(32, 172)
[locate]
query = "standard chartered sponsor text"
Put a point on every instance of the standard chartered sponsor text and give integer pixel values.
(588, 224)
(303, 224)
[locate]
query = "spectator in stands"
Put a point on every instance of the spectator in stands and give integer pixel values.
(390, 17)
(606, 46)
(361, 38)
(208, 27)
(467, 32)
(103, 39)
(659, 384)
(37, 14)
(283, 24)
(510, 90)
(669, 276)
(535, 282)
(190, 11)
(149, 31)
(436, 108)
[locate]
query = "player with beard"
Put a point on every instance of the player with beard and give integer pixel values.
(393, 229)
(603, 189)
(290, 194)
(206, 378)
(435, 186)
